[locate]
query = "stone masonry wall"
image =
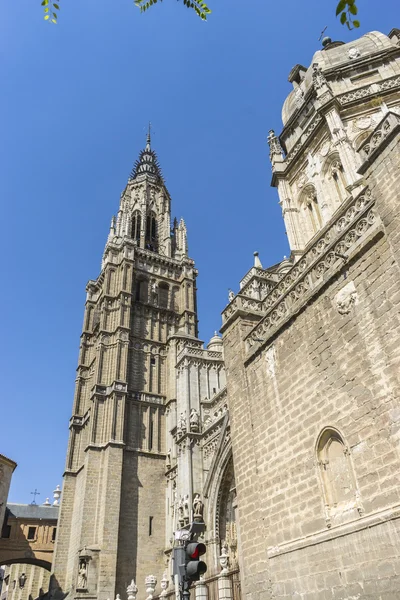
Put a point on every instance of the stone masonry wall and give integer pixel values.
(324, 369)
(140, 548)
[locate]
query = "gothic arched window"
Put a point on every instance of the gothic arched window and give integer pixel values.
(311, 211)
(151, 232)
(335, 181)
(136, 225)
(340, 493)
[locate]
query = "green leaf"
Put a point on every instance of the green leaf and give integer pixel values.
(54, 21)
(54, 15)
(340, 7)
(353, 9)
(56, 6)
(356, 23)
(348, 26)
(47, 17)
(46, 10)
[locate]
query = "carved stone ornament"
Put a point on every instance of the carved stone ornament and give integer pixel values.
(164, 585)
(325, 148)
(194, 420)
(318, 77)
(353, 53)
(132, 590)
(301, 181)
(150, 582)
(363, 123)
(270, 360)
(275, 148)
(346, 299)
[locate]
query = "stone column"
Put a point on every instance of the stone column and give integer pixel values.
(201, 592)
(224, 583)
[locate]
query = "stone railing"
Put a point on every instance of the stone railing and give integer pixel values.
(303, 138)
(150, 398)
(369, 90)
(241, 303)
(373, 143)
(254, 271)
(328, 253)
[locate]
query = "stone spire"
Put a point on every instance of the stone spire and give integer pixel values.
(147, 164)
(257, 261)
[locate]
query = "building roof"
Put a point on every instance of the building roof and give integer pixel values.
(32, 511)
(9, 460)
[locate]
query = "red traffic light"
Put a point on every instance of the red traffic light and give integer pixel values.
(194, 550)
(194, 567)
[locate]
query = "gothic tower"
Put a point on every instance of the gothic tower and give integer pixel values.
(112, 521)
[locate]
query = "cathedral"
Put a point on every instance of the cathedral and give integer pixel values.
(283, 435)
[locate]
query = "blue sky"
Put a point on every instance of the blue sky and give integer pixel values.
(75, 103)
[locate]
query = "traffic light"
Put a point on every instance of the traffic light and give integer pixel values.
(194, 567)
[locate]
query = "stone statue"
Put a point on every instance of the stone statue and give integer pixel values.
(194, 420)
(181, 427)
(224, 558)
(186, 508)
(82, 575)
(231, 295)
(198, 508)
(181, 514)
(168, 460)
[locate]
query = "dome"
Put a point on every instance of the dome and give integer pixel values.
(333, 55)
(215, 344)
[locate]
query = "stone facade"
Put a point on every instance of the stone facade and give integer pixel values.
(26, 549)
(7, 467)
(283, 436)
(314, 364)
(150, 406)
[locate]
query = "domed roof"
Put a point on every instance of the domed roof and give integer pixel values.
(333, 55)
(215, 344)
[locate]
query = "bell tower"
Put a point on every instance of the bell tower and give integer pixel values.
(112, 520)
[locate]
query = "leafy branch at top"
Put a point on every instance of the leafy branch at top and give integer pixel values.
(347, 9)
(50, 7)
(198, 6)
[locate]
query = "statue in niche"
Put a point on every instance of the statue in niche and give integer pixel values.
(181, 513)
(82, 575)
(198, 508)
(168, 459)
(154, 290)
(194, 420)
(186, 513)
(181, 427)
(224, 558)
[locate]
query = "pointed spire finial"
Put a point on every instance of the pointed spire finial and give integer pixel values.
(148, 139)
(257, 261)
